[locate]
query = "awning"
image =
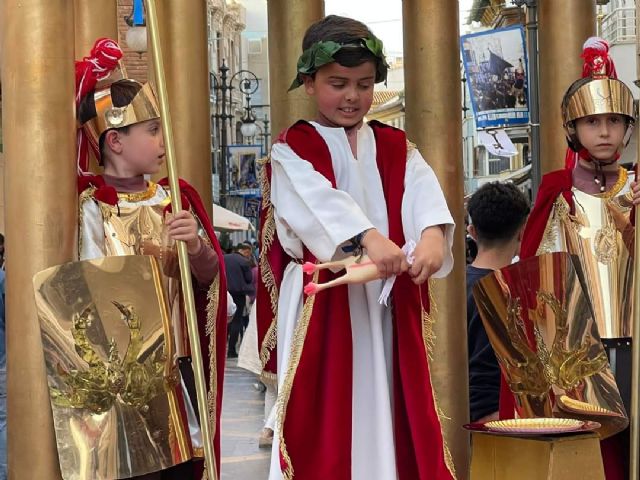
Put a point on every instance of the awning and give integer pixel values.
(227, 221)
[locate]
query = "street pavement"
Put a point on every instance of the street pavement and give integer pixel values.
(242, 419)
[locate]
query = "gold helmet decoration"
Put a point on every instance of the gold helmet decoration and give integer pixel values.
(144, 106)
(598, 92)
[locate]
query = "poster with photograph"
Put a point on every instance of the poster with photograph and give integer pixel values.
(243, 172)
(495, 64)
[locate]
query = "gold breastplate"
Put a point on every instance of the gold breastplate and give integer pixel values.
(599, 234)
(135, 229)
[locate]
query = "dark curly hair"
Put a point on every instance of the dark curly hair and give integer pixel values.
(342, 30)
(497, 211)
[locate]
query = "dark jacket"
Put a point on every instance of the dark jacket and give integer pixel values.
(239, 278)
(484, 372)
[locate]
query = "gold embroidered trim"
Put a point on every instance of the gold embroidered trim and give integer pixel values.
(213, 301)
(559, 213)
(139, 196)
(428, 338)
(410, 147)
(299, 335)
(266, 240)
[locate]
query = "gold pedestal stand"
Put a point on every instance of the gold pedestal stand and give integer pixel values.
(497, 457)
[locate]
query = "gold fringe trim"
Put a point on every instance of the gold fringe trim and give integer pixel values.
(269, 378)
(428, 339)
(428, 323)
(213, 301)
(268, 235)
(299, 335)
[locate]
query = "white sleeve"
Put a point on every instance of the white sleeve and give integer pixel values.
(423, 206)
(321, 216)
(231, 306)
(91, 234)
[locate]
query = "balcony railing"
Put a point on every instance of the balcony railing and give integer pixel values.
(619, 26)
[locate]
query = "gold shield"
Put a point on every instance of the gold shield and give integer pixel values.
(115, 387)
(540, 322)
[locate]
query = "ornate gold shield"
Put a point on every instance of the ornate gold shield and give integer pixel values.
(115, 387)
(540, 322)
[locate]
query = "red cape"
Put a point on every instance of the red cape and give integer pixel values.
(213, 336)
(318, 446)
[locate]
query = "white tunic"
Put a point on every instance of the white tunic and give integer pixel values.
(308, 210)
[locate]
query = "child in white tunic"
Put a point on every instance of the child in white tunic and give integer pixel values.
(340, 196)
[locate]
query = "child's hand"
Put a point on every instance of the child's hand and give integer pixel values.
(182, 226)
(428, 255)
(385, 254)
(635, 189)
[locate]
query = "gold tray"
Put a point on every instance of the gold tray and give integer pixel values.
(535, 425)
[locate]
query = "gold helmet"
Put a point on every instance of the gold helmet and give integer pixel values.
(106, 100)
(143, 106)
(598, 92)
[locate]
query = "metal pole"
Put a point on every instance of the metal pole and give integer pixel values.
(224, 158)
(185, 272)
(534, 102)
(634, 467)
(266, 134)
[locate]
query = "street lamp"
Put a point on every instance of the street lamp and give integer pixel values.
(222, 84)
(248, 127)
(265, 133)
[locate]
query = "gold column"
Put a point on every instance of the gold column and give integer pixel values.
(183, 31)
(40, 185)
(288, 20)
(434, 122)
(93, 19)
(564, 26)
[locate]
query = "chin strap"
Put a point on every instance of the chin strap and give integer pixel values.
(599, 177)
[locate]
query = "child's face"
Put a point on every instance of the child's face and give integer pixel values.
(143, 147)
(602, 135)
(343, 94)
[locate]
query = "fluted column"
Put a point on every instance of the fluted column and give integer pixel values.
(288, 20)
(183, 30)
(563, 27)
(93, 19)
(434, 122)
(41, 206)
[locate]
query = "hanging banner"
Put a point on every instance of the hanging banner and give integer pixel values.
(243, 172)
(495, 63)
